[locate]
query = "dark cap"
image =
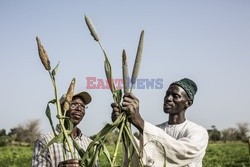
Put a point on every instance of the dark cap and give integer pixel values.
(84, 95)
(188, 85)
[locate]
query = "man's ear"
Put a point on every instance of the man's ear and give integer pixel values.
(189, 103)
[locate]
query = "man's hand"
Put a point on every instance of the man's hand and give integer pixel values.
(130, 106)
(116, 111)
(69, 163)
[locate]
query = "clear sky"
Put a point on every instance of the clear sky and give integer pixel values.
(205, 40)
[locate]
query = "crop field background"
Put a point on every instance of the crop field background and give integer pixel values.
(15, 156)
(234, 154)
(231, 154)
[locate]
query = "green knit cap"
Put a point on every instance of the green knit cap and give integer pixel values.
(188, 85)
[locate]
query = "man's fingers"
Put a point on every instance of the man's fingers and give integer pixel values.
(133, 96)
(69, 163)
(127, 99)
(125, 109)
(129, 109)
(134, 105)
(130, 95)
(115, 114)
(125, 104)
(114, 105)
(116, 109)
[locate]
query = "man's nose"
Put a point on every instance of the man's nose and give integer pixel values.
(168, 98)
(78, 108)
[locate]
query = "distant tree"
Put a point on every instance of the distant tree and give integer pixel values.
(4, 139)
(225, 135)
(242, 129)
(213, 127)
(13, 134)
(2, 132)
(249, 145)
(27, 132)
(112, 137)
(238, 133)
(214, 134)
(34, 131)
(229, 134)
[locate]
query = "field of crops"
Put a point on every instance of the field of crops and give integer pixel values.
(218, 155)
(15, 156)
(233, 154)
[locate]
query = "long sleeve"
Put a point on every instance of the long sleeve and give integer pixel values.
(44, 159)
(179, 152)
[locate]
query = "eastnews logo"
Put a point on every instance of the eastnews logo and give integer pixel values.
(98, 83)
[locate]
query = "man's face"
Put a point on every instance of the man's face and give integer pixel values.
(175, 100)
(76, 110)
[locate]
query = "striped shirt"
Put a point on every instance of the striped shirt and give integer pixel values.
(54, 154)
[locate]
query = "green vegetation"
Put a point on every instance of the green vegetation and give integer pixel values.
(230, 154)
(15, 156)
(103, 161)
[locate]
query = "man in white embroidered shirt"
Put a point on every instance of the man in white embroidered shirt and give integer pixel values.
(184, 141)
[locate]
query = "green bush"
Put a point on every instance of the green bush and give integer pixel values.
(4, 140)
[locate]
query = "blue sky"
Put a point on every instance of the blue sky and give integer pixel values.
(207, 41)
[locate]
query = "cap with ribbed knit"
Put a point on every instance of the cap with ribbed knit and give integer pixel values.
(188, 85)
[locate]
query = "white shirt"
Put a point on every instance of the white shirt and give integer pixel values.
(185, 144)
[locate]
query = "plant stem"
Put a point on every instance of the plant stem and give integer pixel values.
(64, 151)
(128, 131)
(128, 143)
(110, 80)
(118, 141)
(59, 112)
(130, 91)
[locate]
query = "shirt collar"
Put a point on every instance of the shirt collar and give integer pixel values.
(181, 124)
(79, 132)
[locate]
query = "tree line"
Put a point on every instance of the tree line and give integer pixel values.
(239, 133)
(23, 134)
(27, 133)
